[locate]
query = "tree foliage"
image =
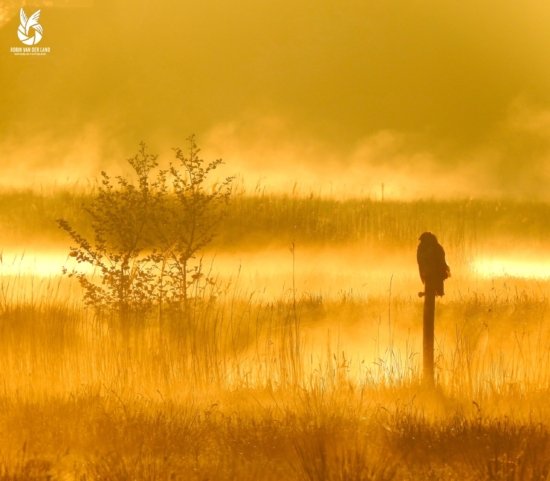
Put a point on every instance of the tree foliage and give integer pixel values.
(148, 231)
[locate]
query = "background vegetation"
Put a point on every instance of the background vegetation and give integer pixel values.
(263, 219)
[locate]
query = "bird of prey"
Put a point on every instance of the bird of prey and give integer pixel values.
(431, 265)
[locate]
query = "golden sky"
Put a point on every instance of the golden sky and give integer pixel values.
(450, 89)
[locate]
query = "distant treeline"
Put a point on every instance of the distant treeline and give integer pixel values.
(281, 219)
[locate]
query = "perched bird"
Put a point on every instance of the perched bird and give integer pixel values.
(431, 265)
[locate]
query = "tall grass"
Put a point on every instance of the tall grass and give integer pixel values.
(225, 397)
(266, 219)
(297, 387)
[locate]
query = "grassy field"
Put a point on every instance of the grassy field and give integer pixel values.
(261, 220)
(295, 386)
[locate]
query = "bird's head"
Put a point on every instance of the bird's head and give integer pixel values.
(427, 237)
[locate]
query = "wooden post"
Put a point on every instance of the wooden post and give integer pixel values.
(428, 339)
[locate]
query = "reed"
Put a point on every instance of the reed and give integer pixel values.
(298, 386)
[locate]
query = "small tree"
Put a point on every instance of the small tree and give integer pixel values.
(188, 221)
(146, 233)
(118, 215)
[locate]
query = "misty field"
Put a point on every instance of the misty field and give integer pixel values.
(301, 360)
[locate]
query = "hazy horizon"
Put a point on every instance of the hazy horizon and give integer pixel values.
(431, 99)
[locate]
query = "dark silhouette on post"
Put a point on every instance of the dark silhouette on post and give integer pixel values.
(433, 271)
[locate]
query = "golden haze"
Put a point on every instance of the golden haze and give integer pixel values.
(295, 353)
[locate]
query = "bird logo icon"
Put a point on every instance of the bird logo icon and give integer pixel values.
(30, 31)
